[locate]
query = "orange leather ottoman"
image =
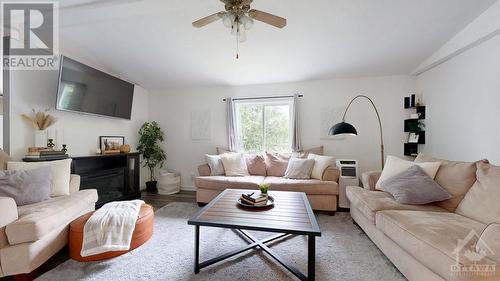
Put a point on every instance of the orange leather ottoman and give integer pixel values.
(142, 232)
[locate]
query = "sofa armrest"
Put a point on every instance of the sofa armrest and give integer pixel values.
(369, 179)
(489, 242)
(204, 170)
(8, 214)
(74, 183)
(331, 174)
(8, 209)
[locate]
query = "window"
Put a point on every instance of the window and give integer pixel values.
(264, 125)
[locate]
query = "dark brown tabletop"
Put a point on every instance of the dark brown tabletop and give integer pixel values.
(291, 214)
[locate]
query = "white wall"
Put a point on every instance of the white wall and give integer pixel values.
(463, 101)
(37, 89)
(462, 92)
(172, 109)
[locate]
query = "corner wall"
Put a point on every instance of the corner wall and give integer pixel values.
(37, 90)
(172, 109)
(462, 95)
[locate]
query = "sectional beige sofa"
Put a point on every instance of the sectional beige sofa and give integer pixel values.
(31, 234)
(322, 194)
(458, 239)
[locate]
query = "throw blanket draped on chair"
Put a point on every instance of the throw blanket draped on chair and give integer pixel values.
(110, 228)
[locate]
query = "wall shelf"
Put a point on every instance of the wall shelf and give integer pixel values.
(411, 126)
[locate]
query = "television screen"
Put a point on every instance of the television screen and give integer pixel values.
(88, 90)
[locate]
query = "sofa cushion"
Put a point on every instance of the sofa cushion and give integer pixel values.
(309, 186)
(320, 164)
(431, 237)
(456, 177)
(299, 168)
(235, 164)
(26, 186)
(276, 164)
(222, 183)
(61, 171)
(395, 165)
(414, 186)
(256, 164)
(369, 202)
(215, 164)
(482, 202)
(37, 220)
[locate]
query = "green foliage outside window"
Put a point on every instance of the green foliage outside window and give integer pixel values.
(264, 128)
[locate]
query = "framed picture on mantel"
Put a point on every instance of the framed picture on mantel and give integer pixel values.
(111, 144)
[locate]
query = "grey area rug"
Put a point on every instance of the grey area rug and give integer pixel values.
(343, 252)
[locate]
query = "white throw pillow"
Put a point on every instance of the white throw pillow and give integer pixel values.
(320, 164)
(395, 165)
(235, 165)
(61, 173)
(215, 164)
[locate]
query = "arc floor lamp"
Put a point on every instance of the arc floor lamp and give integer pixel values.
(344, 128)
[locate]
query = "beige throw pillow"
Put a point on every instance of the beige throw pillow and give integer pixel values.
(299, 168)
(481, 203)
(320, 165)
(234, 164)
(395, 165)
(61, 173)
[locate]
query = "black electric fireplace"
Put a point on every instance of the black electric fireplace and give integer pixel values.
(115, 176)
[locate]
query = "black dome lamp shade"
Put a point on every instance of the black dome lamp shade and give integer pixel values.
(344, 128)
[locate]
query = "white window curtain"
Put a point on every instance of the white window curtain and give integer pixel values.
(296, 145)
(232, 130)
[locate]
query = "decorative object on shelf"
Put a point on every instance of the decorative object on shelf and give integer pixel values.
(64, 148)
(414, 126)
(264, 188)
(111, 144)
(345, 128)
(40, 121)
(125, 148)
(413, 138)
(150, 138)
(50, 144)
(239, 17)
(36, 154)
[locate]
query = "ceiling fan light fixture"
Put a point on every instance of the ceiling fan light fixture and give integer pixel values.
(228, 20)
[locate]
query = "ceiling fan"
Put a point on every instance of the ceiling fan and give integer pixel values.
(240, 17)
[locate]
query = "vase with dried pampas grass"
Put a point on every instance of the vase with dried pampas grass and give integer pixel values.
(40, 121)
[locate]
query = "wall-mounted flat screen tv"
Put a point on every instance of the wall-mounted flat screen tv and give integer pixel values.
(87, 90)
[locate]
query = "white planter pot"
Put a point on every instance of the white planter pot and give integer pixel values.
(40, 138)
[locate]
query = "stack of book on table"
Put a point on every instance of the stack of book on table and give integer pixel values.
(47, 155)
(254, 199)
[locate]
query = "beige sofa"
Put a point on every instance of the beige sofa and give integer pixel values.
(322, 194)
(31, 234)
(428, 242)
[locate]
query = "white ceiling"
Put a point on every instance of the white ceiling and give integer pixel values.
(152, 42)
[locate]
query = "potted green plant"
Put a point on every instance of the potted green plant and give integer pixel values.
(264, 187)
(153, 154)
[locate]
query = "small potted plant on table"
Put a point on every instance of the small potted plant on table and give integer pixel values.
(153, 154)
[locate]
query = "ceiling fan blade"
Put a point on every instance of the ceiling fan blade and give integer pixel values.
(271, 19)
(207, 20)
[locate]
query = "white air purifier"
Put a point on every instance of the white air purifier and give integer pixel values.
(348, 177)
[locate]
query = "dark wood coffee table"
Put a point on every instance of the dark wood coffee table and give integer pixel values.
(291, 215)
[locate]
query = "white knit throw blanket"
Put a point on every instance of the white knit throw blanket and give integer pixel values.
(110, 228)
